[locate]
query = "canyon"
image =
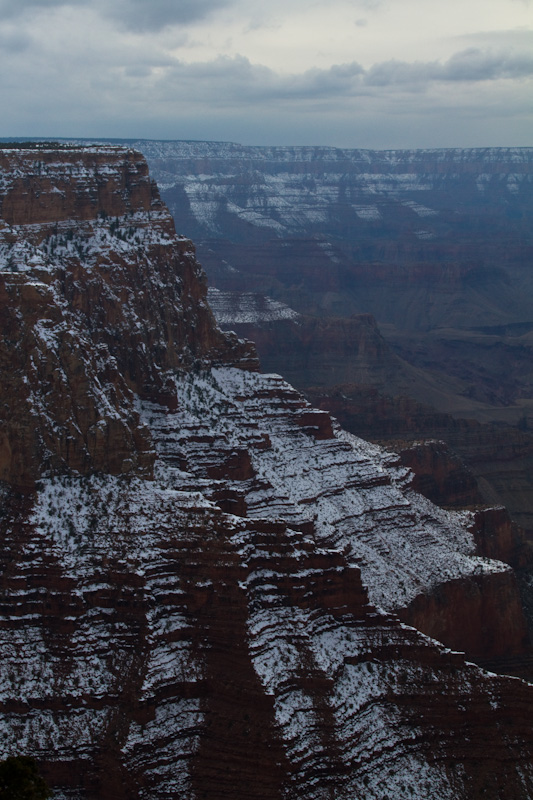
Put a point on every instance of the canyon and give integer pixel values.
(396, 279)
(208, 587)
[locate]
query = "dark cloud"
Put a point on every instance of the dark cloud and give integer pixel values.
(478, 65)
(136, 15)
(14, 41)
(235, 80)
(472, 64)
(401, 72)
(154, 15)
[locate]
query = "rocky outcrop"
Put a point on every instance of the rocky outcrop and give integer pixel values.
(66, 404)
(219, 617)
(317, 352)
(98, 300)
(480, 616)
(498, 455)
(408, 551)
(496, 536)
(489, 619)
(51, 185)
(432, 243)
(207, 653)
(439, 474)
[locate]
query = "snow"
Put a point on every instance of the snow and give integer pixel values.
(245, 307)
(119, 540)
(94, 242)
(348, 488)
(420, 210)
(107, 555)
(370, 213)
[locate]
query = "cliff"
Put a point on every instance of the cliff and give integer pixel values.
(499, 456)
(434, 244)
(93, 274)
(209, 609)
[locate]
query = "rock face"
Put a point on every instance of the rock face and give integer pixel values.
(434, 244)
(207, 604)
(90, 278)
(500, 457)
(439, 474)
(349, 231)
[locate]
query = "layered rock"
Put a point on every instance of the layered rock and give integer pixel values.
(439, 474)
(155, 646)
(434, 243)
(499, 456)
(215, 618)
(167, 650)
(98, 299)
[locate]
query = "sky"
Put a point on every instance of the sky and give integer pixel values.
(345, 73)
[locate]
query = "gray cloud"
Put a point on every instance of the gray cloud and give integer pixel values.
(154, 15)
(472, 64)
(14, 41)
(10, 10)
(478, 65)
(85, 78)
(236, 80)
(392, 72)
(136, 15)
(229, 80)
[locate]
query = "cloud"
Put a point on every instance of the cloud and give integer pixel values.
(68, 71)
(236, 80)
(371, 5)
(14, 41)
(154, 15)
(472, 64)
(10, 10)
(135, 15)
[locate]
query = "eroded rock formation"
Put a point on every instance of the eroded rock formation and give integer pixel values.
(98, 299)
(204, 603)
(435, 244)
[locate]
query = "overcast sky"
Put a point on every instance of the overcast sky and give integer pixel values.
(349, 73)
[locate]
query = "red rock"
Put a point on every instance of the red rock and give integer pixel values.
(155, 645)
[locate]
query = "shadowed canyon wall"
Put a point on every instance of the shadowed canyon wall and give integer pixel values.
(201, 574)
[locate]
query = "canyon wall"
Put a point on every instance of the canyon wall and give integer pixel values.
(434, 244)
(202, 575)
(99, 299)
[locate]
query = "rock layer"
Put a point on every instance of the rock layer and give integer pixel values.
(435, 244)
(203, 621)
(91, 276)
(500, 457)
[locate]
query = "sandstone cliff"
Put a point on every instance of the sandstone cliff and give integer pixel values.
(98, 299)
(201, 602)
